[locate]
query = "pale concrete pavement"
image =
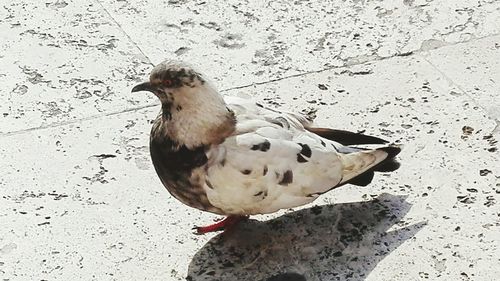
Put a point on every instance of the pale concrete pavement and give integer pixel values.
(81, 201)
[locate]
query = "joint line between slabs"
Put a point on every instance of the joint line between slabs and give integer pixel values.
(124, 32)
(59, 124)
(346, 65)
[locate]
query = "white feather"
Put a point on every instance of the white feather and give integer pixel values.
(246, 181)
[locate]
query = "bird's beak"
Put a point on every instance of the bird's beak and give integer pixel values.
(146, 86)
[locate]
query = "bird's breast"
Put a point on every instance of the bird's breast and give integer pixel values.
(182, 172)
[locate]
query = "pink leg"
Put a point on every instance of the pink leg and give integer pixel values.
(224, 224)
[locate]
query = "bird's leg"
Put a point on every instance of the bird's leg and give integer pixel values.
(224, 224)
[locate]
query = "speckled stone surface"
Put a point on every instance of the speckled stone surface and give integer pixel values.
(243, 42)
(81, 201)
(64, 61)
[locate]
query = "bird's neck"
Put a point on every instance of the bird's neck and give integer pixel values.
(197, 119)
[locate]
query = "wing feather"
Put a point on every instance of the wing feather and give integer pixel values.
(275, 161)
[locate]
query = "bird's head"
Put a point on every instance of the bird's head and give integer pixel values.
(192, 109)
(170, 80)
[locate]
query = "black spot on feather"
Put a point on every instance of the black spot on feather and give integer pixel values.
(246, 172)
(306, 150)
(301, 158)
(323, 143)
(265, 170)
(263, 146)
(261, 193)
(287, 178)
(334, 147)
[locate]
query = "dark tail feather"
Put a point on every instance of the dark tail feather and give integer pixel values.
(346, 137)
(388, 165)
(362, 180)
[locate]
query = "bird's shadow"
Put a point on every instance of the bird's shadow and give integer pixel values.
(332, 242)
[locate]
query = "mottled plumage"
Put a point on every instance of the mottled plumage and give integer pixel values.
(233, 156)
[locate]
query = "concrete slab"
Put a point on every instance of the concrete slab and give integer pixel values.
(82, 202)
(243, 42)
(475, 68)
(63, 61)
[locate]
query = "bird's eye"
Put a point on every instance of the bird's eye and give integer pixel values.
(167, 82)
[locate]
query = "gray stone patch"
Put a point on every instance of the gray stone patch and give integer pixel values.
(230, 41)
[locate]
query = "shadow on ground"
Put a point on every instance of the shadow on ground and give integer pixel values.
(331, 242)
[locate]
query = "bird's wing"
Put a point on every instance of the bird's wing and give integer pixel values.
(272, 162)
(247, 108)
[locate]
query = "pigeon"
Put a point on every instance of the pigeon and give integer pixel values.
(236, 157)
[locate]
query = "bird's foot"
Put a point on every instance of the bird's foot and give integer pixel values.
(224, 224)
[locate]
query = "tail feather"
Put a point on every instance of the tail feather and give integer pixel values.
(362, 180)
(390, 164)
(360, 166)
